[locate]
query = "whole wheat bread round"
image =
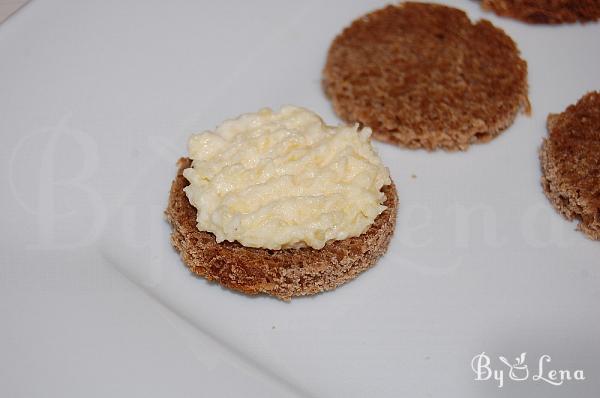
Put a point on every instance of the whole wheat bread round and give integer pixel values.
(423, 76)
(545, 11)
(570, 160)
(280, 273)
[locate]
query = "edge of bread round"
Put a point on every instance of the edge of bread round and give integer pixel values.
(548, 12)
(280, 273)
(424, 76)
(570, 162)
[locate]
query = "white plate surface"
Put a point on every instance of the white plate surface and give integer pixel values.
(97, 100)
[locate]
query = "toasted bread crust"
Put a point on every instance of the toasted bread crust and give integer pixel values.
(423, 76)
(570, 160)
(280, 273)
(545, 11)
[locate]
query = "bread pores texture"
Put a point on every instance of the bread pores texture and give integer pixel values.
(545, 11)
(423, 76)
(570, 161)
(280, 273)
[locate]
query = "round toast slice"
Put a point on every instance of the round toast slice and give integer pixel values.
(570, 160)
(280, 273)
(423, 76)
(545, 11)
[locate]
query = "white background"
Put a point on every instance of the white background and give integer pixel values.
(97, 100)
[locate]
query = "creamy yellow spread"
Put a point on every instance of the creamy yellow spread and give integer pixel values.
(278, 180)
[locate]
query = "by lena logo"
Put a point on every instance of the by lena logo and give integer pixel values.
(519, 371)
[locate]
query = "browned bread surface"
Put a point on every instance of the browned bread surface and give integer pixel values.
(280, 273)
(546, 11)
(570, 159)
(423, 76)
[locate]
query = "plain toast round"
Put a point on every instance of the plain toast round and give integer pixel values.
(570, 160)
(423, 76)
(545, 11)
